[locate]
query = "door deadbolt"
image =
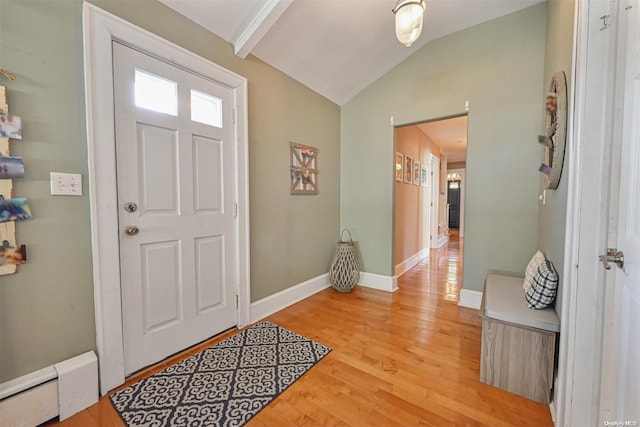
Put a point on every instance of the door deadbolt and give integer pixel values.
(613, 255)
(131, 230)
(130, 207)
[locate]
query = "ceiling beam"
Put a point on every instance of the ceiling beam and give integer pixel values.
(265, 17)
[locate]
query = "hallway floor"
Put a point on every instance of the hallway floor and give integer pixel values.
(411, 358)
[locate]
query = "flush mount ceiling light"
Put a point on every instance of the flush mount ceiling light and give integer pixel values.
(409, 17)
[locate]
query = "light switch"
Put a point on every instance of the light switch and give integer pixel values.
(66, 184)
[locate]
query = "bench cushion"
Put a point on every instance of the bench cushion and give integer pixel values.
(504, 300)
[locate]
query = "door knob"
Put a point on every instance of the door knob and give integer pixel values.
(613, 255)
(131, 230)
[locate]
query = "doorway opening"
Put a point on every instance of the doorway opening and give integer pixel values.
(453, 197)
(456, 186)
(425, 153)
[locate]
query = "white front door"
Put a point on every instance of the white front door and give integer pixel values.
(176, 184)
(621, 370)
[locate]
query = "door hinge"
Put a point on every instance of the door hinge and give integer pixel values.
(233, 115)
(235, 210)
(237, 301)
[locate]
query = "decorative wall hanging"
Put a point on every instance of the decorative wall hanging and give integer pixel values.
(9, 75)
(303, 169)
(14, 209)
(10, 126)
(11, 167)
(408, 169)
(399, 158)
(416, 172)
(555, 135)
(11, 210)
(11, 256)
(423, 178)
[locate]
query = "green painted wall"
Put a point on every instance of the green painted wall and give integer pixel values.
(552, 214)
(46, 310)
(498, 66)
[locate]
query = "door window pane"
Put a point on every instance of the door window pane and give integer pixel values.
(206, 108)
(156, 93)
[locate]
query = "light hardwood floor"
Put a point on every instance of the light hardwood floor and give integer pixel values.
(411, 358)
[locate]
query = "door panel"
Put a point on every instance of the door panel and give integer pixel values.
(621, 381)
(179, 274)
(158, 154)
(160, 264)
(207, 161)
(629, 391)
(628, 281)
(209, 279)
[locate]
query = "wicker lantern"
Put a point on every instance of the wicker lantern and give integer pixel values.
(345, 271)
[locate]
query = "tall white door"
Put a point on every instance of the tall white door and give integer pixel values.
(176, 198)
(621, 380)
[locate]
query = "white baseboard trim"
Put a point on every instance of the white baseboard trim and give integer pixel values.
(470, 299)
(552, 408)
(77, 384)
(31, 407)
(411, 262)
(62, 390)
(442, 240)
(283, 299)
(377, 281)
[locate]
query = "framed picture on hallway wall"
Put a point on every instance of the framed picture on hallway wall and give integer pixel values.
(303, 169)
(408, 169)
(416, 172)
(399, 158)
(423, 176)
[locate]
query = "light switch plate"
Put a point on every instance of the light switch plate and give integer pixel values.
(66, 184)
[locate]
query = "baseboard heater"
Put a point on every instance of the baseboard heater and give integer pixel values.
(60, 390)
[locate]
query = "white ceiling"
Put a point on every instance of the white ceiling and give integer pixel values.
(335, 47)
(450, 135)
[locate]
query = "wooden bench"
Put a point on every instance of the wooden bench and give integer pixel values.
(518, 343)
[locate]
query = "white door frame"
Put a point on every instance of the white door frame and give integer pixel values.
(577, 393)
(100, 29)
(434, 166)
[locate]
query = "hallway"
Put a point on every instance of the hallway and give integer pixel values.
(441, 274)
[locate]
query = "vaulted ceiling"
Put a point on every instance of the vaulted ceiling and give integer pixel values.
(335, 47)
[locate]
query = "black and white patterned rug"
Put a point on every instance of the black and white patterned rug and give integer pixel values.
(224, 385)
